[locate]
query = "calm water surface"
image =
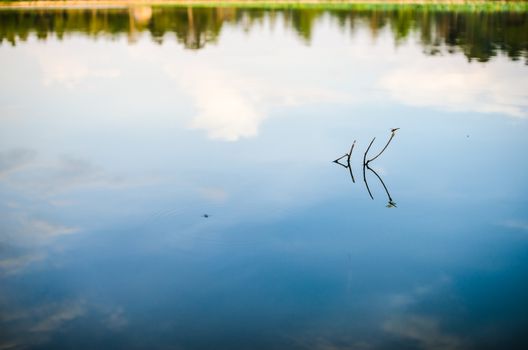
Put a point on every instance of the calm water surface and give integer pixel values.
(166, 179)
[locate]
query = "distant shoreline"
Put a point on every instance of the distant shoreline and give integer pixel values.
(518, 5)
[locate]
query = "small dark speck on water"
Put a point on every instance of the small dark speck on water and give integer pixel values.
(205, 215)
(467, 136)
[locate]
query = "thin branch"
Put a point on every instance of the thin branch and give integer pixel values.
(338, 160)
(383, 183)
(350, 171)
(366, 183)
(384, 148)
(365, 155)
(350, 153)
(364, 165)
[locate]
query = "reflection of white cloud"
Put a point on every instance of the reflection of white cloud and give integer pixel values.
(13, 265)
(417, 293)
(63, 67)
(35, 325)
(31, 326)
(71, 172)
(8, 345)
(459, 88)
(225, 110)
(51, 178)
(57, 316)
(517, 224)
(15, 159)
(213, 194)
(116, 319)
(44, 229)
(32, 179)
(21, 230)
(61, 202)
(425, 331)
(231, 107)
(332, 342)
(71, 73)
(10, 111)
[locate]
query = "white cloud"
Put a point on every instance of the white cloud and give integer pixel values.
(419, 292)
(56, 316)
(116, 319)
(32, 326)
(425, 331)
(9, 345)
(20, 229)
(454, 86)
(28, 241)
(225, 110)
(15, 159)
(63, 67)
(35, 181)
(231, 106)
(517, 224)
(13, 265)
(70, 73)
(213, 194)
(10, 111)
(333, 343)
(53, 177)
(46, 229)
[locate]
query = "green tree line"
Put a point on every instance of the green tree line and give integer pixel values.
(479, 35)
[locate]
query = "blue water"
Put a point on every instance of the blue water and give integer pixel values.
(163, 197)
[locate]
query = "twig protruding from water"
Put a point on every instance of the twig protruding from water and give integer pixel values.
(393, 132)
(366, 152)
(348, 157)
(350, 153)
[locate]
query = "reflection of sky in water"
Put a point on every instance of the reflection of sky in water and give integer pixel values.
(111, 153)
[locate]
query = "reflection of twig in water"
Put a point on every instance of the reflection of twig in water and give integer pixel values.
(348, 155)
(347, 166)
(350, 171)
(364, 165)
(366, 162)
(391, 202)
(338, 160)
(366, 183)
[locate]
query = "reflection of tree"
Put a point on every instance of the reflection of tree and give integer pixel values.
(477, 34)
(302, 21)
(480, 36)
(193, 27)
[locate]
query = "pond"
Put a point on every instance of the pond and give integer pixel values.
(167, 177)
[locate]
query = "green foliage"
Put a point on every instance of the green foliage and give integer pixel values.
(478, 32)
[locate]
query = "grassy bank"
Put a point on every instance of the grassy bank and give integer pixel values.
(435, 5)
